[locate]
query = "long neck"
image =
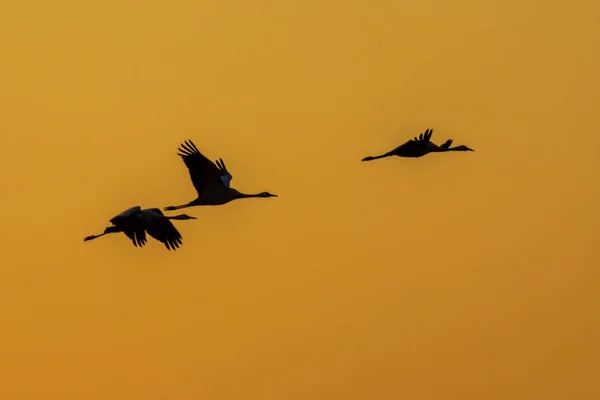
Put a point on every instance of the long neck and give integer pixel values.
(236, 194)
(437, 149)
(240, 195)
(455, 148)
(178, 216)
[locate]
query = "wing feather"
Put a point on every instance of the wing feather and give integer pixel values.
(164, 231)
(446, 144)
(141, 237)
(226, 176)
(203, 172)
(416, 145)
(137, 237)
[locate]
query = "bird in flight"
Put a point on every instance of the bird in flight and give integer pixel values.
(418, 147)
(135, 222)
(212, 181)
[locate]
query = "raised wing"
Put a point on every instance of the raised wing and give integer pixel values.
(130, 212)
(446, 144)
(203, 172)
(415, 145)
(131, 224)
(155, 211)
(165, 232)
(226, 177)
(423, 137)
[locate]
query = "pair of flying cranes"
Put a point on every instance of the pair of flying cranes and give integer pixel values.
(212, 182)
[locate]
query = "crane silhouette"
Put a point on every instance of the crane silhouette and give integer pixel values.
(135, 222)
(418, 147)
(212, 181)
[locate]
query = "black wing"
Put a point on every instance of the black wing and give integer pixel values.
(203, 172)
(226, 176)
(416, 144)
(138, 237)
(141, 237)
(165, 232)
(130, 222)
(126, 215)
(446, 144)
(423, 137)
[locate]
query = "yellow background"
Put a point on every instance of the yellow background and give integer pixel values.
(455, 276)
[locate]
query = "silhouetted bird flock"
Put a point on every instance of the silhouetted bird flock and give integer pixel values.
(212, 183)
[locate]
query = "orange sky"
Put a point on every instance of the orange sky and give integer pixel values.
(455, 276)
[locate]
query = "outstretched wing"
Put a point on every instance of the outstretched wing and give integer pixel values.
(129, 222)
(130, 212)
(138, 237)
(165, 232)
(141, 237)
(446, 144)
(423, 137)
(416, 144)
(203, 172)
(226, 176)
(146, 211)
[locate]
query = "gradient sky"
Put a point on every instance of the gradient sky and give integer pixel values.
(455, 276)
